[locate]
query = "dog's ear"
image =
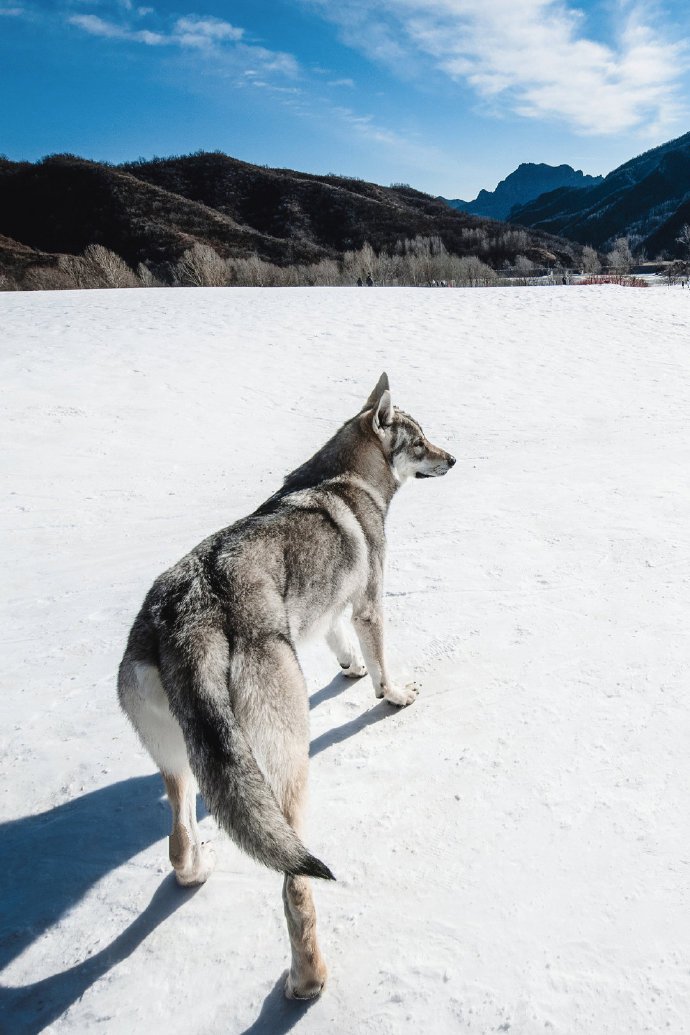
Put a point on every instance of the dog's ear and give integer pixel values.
(383, 414)
(381, 387)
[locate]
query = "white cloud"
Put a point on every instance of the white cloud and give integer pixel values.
(271, 60)
(533, 57)
(406, 149)
(96, 26)
(192, 32)
(200, 32)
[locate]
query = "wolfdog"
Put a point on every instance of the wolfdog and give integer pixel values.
(210, 678)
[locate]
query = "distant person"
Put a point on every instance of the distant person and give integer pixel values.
(370, 282)
(359, 282)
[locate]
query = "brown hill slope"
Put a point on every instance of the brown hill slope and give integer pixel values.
(153, 211)
(16, 259)
(330, 212)
(63, 204)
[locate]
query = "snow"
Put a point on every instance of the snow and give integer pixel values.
(512, 850)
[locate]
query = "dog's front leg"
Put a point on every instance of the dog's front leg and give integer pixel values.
(341, 641)
(368, 622)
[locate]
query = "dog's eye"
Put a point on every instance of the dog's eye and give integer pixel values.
(417, 444)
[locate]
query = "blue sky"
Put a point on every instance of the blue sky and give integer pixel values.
(447, 95)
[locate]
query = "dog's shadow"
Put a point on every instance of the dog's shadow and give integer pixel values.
(50, 861)
(337, 686)
(279, 1015)
(380, 711)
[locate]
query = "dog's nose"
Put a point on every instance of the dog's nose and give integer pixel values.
(451, 461)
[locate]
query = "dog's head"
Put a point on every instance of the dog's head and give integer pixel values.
(404, 444)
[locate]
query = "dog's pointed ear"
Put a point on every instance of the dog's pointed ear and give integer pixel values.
(381, 387)
(383, 414)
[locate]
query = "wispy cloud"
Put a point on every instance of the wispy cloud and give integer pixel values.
(359, 127)
(254, 66)
(190, 32)
(532, 57)
(200, 32)
(97, 26)
(231, 57)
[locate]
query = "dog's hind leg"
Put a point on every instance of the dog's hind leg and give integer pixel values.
(143, 699)
(192, 860)
(340, 638)
(308, 971)
(272, 706)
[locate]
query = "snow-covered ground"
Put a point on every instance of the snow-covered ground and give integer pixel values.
(513, 850)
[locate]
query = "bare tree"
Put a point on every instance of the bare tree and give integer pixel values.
(621, 256)
(201, 266)
(146, 278)
(683, 238)
(590, 260)
(523, 265)
(472, 272)
(106, 269)
(50, 278)
(676, 271)
(326, 273)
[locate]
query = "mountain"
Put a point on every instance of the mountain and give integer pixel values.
(527, 182)
(152, 211)
(647, 198)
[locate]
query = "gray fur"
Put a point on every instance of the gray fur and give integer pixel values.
(212, 651)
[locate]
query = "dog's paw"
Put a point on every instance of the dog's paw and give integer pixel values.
(198, 866)
(309, 987)
(355, 669)
(400, 696)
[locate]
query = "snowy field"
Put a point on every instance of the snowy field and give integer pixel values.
(512, 851)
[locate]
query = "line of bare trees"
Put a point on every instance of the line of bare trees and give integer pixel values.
(413, 262)
(97, 267)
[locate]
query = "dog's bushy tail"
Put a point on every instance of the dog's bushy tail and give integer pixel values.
(233, 787)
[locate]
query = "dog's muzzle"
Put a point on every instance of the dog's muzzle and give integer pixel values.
(449, 462)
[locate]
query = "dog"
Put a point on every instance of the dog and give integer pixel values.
(210, 678)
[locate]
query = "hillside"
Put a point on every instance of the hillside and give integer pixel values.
(526, 183)
(151, 212)
(332, 213)
(17, 259)
(646, 198)
(63, 204)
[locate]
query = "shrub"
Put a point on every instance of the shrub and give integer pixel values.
(201, 266)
